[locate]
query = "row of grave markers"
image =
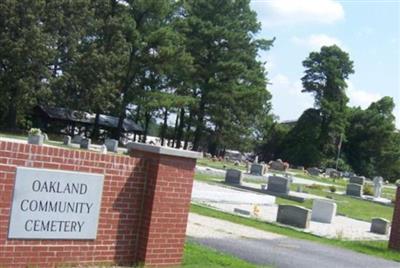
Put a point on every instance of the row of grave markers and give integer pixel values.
(322, 211)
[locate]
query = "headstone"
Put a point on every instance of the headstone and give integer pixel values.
(77, 139)
(328, 171)
(378, 183)
(85, 143)
(357, 180)
(354, 189)
(111, 144)
(233, 176)
(380, 226)
(45, 137)
(67, 140)
(241, 211)
(257, 169)
(294, 215)
(335, 174)
(299, 188)
(278, 184)
(103, 149)
(313, 171)
(278, 165)
(323, 211)
(35, 139)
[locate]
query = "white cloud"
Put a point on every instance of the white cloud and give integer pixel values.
(360, 97)
(288, 102)
(293, 12)
(316, 41)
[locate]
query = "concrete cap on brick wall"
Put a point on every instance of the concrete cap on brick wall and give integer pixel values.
(163, 150)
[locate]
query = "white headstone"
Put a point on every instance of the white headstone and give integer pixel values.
(323, 210)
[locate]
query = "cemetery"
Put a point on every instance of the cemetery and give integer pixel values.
(327, 214)
(197, 133)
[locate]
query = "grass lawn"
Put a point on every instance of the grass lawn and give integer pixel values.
(219, 164)
(197, 256)
(375, 248)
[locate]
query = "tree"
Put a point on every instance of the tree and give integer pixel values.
(229, 83)
(325, 76)
(155, 50)
(25, 48)
(372, 145)
(301, 144)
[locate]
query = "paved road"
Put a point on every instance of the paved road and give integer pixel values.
(265, 248)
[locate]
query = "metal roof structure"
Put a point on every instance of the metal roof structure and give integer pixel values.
(68, 115)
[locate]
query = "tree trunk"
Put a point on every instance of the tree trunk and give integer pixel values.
(164, 127)
(175, 130)
(118, 131)
(11, 118)
(95, 132)
(146, 126)
(188, 126)
(180, 128)
(199, 127)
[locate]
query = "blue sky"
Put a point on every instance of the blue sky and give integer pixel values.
(368, 30)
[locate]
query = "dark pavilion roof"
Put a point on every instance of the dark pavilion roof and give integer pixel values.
(108, 121)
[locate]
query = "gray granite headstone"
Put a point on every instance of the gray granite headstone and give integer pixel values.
(241, 211)
(257, 169)
(278, 184)
(313, 171)
(354, 189)
(277, 165)
(233, 176)
(294, 215)
(335, 174)
(111, 144)
(380, 226)
(357, 180)
(85, 143)
(67, 140)
(77, 139)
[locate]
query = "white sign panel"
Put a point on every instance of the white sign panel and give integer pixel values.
(55, 204)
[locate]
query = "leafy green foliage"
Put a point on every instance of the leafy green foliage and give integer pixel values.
(300, 146)
(373, 145)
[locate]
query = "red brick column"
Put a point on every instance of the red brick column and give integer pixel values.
(394, 241)
(166, 206)
(144, 206)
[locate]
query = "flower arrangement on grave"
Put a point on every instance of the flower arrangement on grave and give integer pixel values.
(35, 136)
(35, 132)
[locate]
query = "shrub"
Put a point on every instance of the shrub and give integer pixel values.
(368, 190)
(332, 188)
(35, 132)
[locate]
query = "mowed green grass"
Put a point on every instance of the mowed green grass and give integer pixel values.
(347, 206)
(197, 256)
(375, 248)
(219, 164)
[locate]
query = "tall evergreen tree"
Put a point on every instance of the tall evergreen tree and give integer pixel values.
(228, 79)
(325, 76)
(25, 48)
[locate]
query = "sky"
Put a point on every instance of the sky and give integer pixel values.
(369, 30)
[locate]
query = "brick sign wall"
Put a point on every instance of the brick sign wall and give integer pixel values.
(143, 213)
(394, 241)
